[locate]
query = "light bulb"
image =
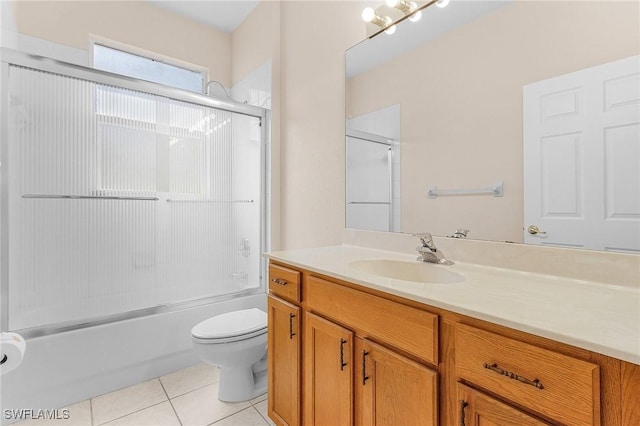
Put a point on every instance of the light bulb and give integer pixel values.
(416, 16)
(390, 30)
(442, 3)
(368, 14)
(392, 3)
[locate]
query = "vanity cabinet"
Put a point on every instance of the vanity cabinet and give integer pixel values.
(283, 346)
(391, 389)
(372, 358)
(328, 372)
(556, 386)
(370, 383)
(478, 409)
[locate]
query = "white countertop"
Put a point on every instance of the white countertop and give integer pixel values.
(599, 317)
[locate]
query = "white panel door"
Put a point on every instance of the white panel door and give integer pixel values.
(582, 158)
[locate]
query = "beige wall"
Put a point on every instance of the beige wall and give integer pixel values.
(306, 41)
(254, 41)
(135, 23)
(461, 104)
(314, 36)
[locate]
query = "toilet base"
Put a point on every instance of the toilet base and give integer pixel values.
(240, 384)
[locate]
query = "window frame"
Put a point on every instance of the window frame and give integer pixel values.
(148, 54)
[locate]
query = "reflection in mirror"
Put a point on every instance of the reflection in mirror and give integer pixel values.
(373, 170)
(541, 96)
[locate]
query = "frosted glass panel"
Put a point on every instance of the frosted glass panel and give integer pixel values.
(160, 200)
(368, 188)
(119, 62)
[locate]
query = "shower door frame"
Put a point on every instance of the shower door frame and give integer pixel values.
(381, 140)
(10, 57)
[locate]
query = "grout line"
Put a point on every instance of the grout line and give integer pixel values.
(91, 410)
(164, 389)
(266, 419)
(231, 415)
(175, 412)
(263, 418)
(262, 400)
(134, 412)
(170, 403)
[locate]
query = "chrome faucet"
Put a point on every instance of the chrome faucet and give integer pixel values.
(460, 233)
(428, 250)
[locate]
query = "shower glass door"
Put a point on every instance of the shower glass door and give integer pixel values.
(369, 182)
(119, 200)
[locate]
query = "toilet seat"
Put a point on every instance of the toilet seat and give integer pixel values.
(231, 326)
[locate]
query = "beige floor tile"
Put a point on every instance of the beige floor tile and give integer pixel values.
(259, 398)
(202, 407)
(126, 401)
(78, 415)
(246, 417)
(262, 408)
(189, 379)
(157, 415)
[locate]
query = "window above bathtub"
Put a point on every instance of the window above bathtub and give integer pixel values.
(143, 65)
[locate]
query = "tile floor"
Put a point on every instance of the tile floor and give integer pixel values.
(187, 397)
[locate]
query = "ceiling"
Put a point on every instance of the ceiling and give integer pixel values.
(224, 15)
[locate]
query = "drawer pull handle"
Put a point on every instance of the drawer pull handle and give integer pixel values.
(463, 405)
(364, 367)
(494, 367)
(342, 363)
(291, 333)
(279, 281)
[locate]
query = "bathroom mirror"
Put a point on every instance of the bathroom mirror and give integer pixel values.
(517, 120)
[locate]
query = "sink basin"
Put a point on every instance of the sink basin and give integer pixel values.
(407, 271)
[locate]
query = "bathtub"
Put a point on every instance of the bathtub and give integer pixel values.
(65, 368)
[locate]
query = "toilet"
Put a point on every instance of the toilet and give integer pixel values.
(237, 343)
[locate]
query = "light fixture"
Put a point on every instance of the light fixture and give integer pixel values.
(406, 7)
(411, 10)
(369, 15)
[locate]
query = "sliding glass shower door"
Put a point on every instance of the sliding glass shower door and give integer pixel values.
(121, 200)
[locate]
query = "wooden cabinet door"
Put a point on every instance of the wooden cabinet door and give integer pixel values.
(283, 351)
(392, 389)
(328, 373)
(478, 409)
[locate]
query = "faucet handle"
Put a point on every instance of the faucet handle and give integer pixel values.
(460, 233)
(425, 238)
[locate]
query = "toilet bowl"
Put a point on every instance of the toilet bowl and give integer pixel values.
(237, 343)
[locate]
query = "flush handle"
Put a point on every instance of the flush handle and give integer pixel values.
(534, 230)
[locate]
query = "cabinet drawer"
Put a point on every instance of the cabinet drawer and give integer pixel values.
(406, 328)
(284, 282)
(557, 386)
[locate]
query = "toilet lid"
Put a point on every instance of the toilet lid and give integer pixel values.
(231, 324)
